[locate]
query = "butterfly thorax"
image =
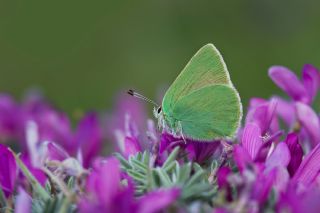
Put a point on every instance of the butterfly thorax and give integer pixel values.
(167, 123)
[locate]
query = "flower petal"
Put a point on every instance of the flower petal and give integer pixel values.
(89, 138)
(263, 116)
(296, 152)
(281, 180)
(288, 82)
(279, 157)
(241, 157)
(51, 125)
(309, 168)
(255, 102)
(251, 139)
(10, 117)
(262, 186)
(106, 191)
(131, 146)
(202, 151)
(285, 110)
(222, 176)
(265, 148)
(157, 200)
(311, 80)
(309, 120)
(23, 202)
(55, 152)
(294, 202)
(129, 116)
(8, 171)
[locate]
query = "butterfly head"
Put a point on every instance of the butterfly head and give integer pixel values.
(157, 111)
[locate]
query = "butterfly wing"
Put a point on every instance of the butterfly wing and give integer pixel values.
(205, 68)
(212, 112)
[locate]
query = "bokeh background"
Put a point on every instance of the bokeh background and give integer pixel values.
(81, 53)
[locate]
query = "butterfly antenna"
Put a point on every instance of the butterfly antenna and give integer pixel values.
(138, 95)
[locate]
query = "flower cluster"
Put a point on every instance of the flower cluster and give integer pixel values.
(47, 165)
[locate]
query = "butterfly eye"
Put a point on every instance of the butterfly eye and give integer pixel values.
(159, 110)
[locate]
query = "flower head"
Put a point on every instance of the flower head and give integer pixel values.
(8, 171)
(303, 91)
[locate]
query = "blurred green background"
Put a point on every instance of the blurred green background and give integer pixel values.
(81, 53)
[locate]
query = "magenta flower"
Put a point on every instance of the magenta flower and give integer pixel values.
(263, 113)
(8, 171)
(51, 124)
(296, 152)
(309, 169)
(105, 190)
(200, 152)
(158, 200)
(310, 121)
(125, 125)
(277, 164)
(88, 138)
(303, 91)
(291, 201)
(223, 183)
(285, 111)
(109, 192)
(52, 151)
(128, 139)
(261, 187)
(254, 147)
(196, 151)
(129, 116)
(252, 140)
(279, 157)
(10, 119)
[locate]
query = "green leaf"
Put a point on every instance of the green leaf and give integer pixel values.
(164, 178)
(123, 161)
(155, 182)
(146, 157)
(170, 166)
(171, 157)
(197, 177)
(189, 176)
(195, 191)
(137, 176)
(57, 204)
(184, 173)
(138, 165)
(139, 156)
(197, 167)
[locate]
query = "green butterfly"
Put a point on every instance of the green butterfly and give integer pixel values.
(202, 103)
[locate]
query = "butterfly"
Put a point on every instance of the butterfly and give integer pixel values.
(201, 104)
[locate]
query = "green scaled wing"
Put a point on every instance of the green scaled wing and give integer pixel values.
(212, 112)
(205, 68)
(202, 98)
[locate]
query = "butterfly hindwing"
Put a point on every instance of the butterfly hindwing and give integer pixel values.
(212, 112)
(205, 68)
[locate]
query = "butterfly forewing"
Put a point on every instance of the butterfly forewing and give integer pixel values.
(205, 68)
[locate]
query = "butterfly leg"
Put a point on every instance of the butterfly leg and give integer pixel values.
(180, 132)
